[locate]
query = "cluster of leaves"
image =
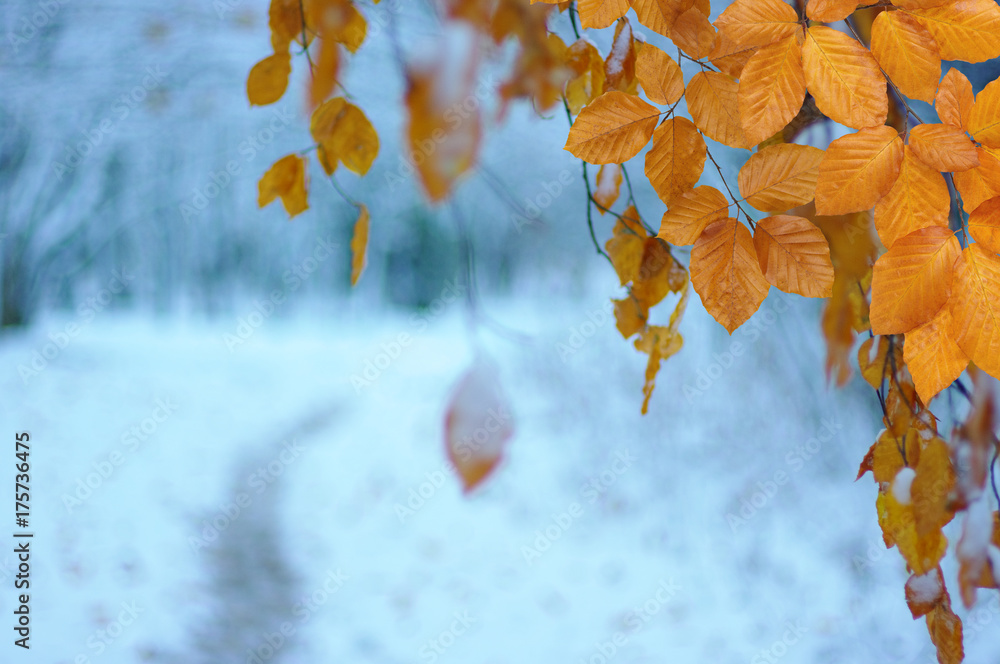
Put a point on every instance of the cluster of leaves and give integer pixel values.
(897, 223)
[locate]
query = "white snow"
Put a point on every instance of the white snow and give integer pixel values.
(925, 589)
(619, 50)
(901, 485)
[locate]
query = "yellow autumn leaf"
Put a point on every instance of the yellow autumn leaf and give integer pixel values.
(954, 99)
(794, 255)
(268, 79)
(757, 22)
(982, 182)
(919, 198)
(975, 307)
(912, 280)
(359, 244)
(984, 119)
(712, 103)
(286, 179)
(830, 11)
(657, 15)
(729, 56)
(690, 213)
(587, 81)
(908, 53)
(984, 224)
(612, 129)
(693, 34)
(780, 177)
(964, 30)
(609, 182)
(932, 356)
(943, 147)
(771, 90)
(344, 135)
(844, 78)
(659, 76)
(858, 170)
(675, 162)
(726, 274)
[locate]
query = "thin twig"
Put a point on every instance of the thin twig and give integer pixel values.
(305, 43)
(590, 195)
(736, 201)
(344, 194)
(572, 21)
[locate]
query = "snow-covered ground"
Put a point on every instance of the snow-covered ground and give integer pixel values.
(260, 505)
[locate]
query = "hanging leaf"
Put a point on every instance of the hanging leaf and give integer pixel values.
(975, 308)
(830, 11)
(657, 15)
(858, 170)
(612, 129)
(477, 424)
(984, 225)
(984, 119)
(359, 245)
(690, 213)
(619, 67)
(625, 247)
(661, 343)
(919, 198)
(587, 83)
(943, 147)
(908, 53)
(714, 107)
(730, 56)
(659, 75)
(601, 13)
(844, 78)
(344, 135)
(693, 34)
(954, 99)
(675, 162)
(757, 22)
(268, 79)
(982, 182)
(779, 177)
(932, 356)
(794, 255)
(609, 182)
(772, 89)
(286, 178)
(967, 30)
(912, 280)
(726, 274)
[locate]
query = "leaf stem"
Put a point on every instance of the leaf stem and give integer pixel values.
(736, 201)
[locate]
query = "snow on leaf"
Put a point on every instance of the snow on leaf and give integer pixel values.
(478, 424)
(912, 280)
(924, 592)
(619, 67)
(726, 274)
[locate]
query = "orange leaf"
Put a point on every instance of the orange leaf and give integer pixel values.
(726, 274)
(943, 147)
(779, 177)
(690, 213)
(981, 183)
(878, 366)
(609, 181)
(975, 307)
(945, 629)
(954, 99)
(931, 487)
(601, 13)
(830, 11)
(477, 424)
(794, 255)
(693, 33)
(984, 225)
(923, 593)
(661, 343)
(907, 52)
(338, 22)
(933, 357)
(659, 75)
(324, 77)
(772, 89)
(619, 67)
(629, 316)
(286, 178)
(587, 82)
(844, 78)
(268, 79)
(344, 134)
(918, 199)
(964, 30)
(858, 170)
(757, 22)
(675, 162)
(913, 280)
(984, 121)
(657, 274)
(729, 56)
(626, 245)
(359, 244)
(713, 105)
(612, 129)
(657, 15)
